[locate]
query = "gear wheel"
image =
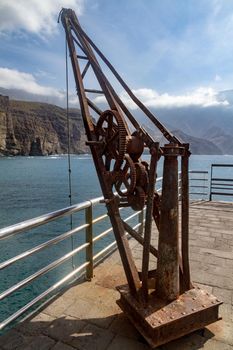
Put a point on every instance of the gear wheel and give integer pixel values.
(137, 199)
(125, 177)
(142, 176)
(110, 129)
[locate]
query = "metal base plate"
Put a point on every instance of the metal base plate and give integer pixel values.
(160, 323)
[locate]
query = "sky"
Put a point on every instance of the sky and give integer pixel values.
(170, 52)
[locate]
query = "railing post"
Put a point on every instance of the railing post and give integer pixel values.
(89, 239)
(211, 175)
(140, 220)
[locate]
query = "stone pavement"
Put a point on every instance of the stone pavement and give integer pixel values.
(87, 317)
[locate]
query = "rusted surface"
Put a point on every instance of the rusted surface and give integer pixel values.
(148, 222)
(168, 250)
(186, 281)
(117, 147)
(161, 322)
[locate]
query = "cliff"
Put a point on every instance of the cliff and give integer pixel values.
(34, 128)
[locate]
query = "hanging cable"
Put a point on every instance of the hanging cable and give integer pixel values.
(68, 129)
(68, 148)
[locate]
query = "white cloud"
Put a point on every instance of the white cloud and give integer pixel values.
(201, 97)
(36, 16)
(13, 79)
(217, 78)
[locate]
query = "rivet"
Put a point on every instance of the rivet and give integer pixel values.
(160, 321)
(193, 309)
(218, 300)
(194, 298)
(183, 313)
(162, 309)
(213, 302)
(203, 305)
(207, 294)
(172, 317)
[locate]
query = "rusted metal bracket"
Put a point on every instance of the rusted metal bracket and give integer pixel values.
(161, 322)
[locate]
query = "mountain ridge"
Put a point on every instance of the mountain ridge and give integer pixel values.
(39, 128)
(34, 128)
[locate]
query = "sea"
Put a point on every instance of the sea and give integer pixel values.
(32, 186)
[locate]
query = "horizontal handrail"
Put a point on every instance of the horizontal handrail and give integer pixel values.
(42, 220)
(221, 179)
(222, 165)
(42, 271)
(26, 307)
(41, 246)
(101, 235)
(88, 246)
(220, 183)
(198, 171)
(222, 193)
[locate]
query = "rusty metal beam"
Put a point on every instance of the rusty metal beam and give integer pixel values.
(139, 238)
(167, 284)
(148, 223)
(112, 204)
(186, 281)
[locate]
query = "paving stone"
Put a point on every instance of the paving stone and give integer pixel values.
(217, 252)
(62, 346)
(195, 341)
(122, 326)
(111, 277)
(36, 325)
(124, 343)
(222, 331)
(96, 292)
(93, 312)
(224, 294)
(218, 270)
(216, 345)
(188, 342)
(64, 327)
(14, 340)
(92, 338)
(57, 308)
(206, 258)
(225, 312)
(211, 279)
(40, 343)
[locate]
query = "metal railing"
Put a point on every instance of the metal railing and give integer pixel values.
(199, 182)
(222, 183)
(84, 269)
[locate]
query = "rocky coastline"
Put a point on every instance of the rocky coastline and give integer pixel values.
(37, 129)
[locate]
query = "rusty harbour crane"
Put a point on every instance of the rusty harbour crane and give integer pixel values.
(162, 304)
